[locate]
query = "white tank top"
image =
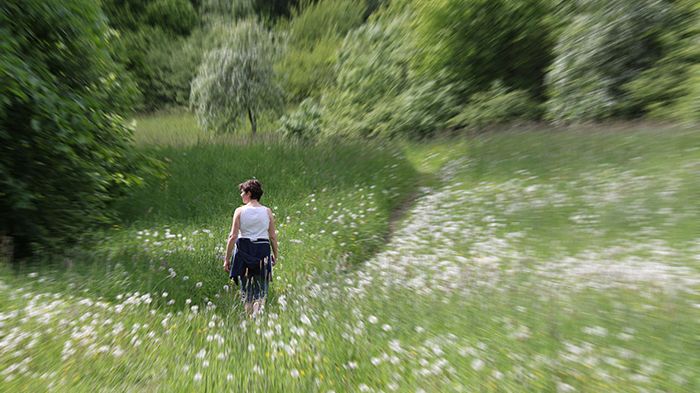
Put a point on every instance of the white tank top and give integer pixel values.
(254, 222)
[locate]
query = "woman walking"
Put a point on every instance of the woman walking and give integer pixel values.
(253, 234)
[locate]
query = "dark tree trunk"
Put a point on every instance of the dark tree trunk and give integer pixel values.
(251, 116)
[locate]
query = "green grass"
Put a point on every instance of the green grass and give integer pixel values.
(501, 217)
(168, 129)
(336, 197)
(178, 129)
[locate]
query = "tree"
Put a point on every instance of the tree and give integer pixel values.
(214, 11)
(376, 94)
(478, 42)
(152, 38)
(65, 148)
(604, 46)
(237, 79)
(315, 31)
(670, 89)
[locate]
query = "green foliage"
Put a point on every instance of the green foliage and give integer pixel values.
(163, 65)
(306, 72)
(312, 21)
(177, 16)
(604, 46)
(181, 67)
(274, 9)
(376, 94)
(238, 9)
(687, 108)
(402, 73)
(237, 79)
(124, 14)
(496, 105)
(665, 89)
(480, 41)
(154, 40)
(214, 11)
(372, 67)
(174, 16)
(314, 33)
(417, 112)
(304, 123)
(66, 149)
(373, 5)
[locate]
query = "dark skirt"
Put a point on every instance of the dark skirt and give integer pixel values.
(252, 267)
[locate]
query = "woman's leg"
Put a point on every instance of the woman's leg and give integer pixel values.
(259, 292)
(248, 308)
(256, 308)
(247, 294)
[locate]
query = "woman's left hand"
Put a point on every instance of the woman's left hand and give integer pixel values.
(227, 266)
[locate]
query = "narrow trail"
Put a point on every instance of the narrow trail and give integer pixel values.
(399, 215)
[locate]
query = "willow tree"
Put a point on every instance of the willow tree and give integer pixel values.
(236, 79)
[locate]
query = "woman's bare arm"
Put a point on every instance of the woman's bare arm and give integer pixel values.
(232, 237)
(272, 234)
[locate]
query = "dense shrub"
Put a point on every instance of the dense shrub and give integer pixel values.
(214, 11)
(496, 106)
(313, 21)
(181, 67)
(603, 47)
(376, 93)
(240, 9)
(372, 68)
(237, 80)
(177, 16)
(65, 147)
(124, 14)
(403, 72)
(165, 65)
(479, 41)
(417, 112)
(153, 40)
(304, 123)
(667, 90)
(687, 108)
(305, 72)
(151, 52)
(274, 9)
(314, 33)
(373, 5)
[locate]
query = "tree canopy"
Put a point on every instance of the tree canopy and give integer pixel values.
(237, 79)
(65, 145)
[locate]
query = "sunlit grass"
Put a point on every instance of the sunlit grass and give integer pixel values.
(168, 129)
(179, 128)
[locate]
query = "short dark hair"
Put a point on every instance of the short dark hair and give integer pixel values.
(254, 187)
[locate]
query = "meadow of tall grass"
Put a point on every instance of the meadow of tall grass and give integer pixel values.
(526, 261)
